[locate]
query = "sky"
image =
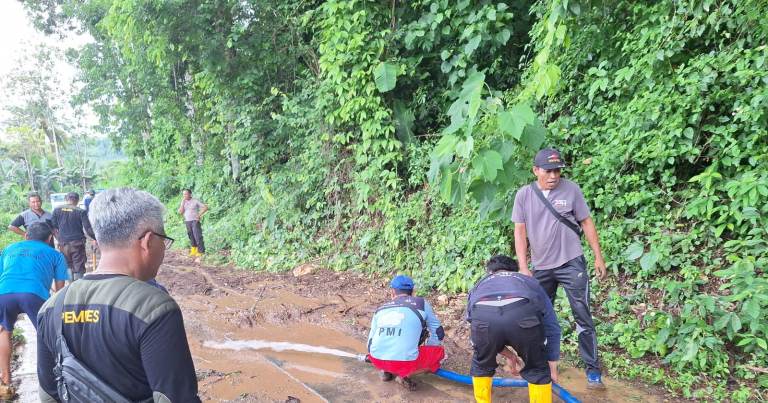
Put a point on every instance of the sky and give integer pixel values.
(17, 33)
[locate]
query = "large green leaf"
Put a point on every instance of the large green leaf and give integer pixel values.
(457, 112)
(487, 164)
(485, 194)
(524, 112)
(506, 148)
(464, 147)
(634, 251)
(385, 76)
(514, 121)
(473, 43)
(649, 260)
(446, 184)
(452, 188)
(446, 145)
(472, 92)
(403, 122)
(509, 125)
(533, 136)
(437, 163)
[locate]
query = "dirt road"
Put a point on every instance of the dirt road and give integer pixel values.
(323, 308)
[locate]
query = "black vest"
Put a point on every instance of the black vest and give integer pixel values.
(503, 284)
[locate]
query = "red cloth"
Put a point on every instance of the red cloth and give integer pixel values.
(429, 359)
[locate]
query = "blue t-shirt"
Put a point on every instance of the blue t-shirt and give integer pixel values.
(31, 266)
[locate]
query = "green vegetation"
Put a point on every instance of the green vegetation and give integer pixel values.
(391, 136)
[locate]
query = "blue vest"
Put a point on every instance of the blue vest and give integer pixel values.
(398, 328)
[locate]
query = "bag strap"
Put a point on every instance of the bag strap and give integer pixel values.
(575, 228)
(58, 308)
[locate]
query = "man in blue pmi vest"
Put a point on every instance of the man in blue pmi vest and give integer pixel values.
(506, 308)
(398, 330)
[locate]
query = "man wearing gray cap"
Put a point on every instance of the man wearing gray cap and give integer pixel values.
(70, 225)
(551, 214)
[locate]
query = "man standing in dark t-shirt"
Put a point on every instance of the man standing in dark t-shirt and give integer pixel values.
(193, 210)
(130, 334)
(69, 222)
(34, 214)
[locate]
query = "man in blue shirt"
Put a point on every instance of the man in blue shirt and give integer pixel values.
(27, 269)
(510, 309)
(398, 330)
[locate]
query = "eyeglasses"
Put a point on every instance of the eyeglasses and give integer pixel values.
(168, 241)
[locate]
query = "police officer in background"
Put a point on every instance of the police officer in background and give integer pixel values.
(398, 330)
(509, 309)
(70, 225)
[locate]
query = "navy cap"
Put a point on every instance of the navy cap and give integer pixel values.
(402, 282)
(549, 158)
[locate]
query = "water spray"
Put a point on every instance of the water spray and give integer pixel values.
(280, 346)
(306, 348)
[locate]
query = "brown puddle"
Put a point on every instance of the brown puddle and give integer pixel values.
(227, 304)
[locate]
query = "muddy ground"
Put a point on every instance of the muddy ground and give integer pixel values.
(322, 308)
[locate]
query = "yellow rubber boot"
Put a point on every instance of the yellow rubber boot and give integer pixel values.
(193, 251)
(482, 386)
(540, 393)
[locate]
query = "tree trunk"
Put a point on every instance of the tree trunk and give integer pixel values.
(30, 172)
(196, 137)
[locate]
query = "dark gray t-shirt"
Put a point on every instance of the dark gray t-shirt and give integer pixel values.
(29, 217)
(552, 243)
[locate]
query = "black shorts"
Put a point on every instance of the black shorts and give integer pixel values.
(11, 305)
(518, 325)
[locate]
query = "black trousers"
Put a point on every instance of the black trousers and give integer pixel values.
(195, 234)
(518, 325)
(574, 278)
(74, 253)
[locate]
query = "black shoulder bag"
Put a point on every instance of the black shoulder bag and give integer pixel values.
(575, 228)
(75, 382)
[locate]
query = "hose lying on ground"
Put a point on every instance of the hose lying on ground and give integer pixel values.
(506, 382)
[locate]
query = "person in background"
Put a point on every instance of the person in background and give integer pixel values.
(398, 330)
(129, 333)
(193, 210)
(27, 270)
(509, 309)
(34, 214)
(93, 249)
(88, 198)
(70, 225)
(552, 214)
